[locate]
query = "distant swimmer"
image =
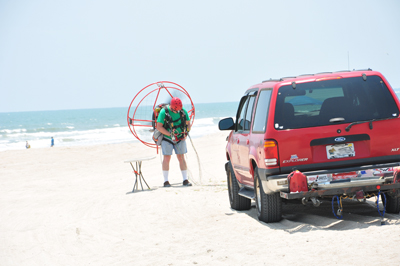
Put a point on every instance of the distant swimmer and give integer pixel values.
(27, 145)
(52, 142)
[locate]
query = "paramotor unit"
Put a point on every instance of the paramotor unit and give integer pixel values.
(141, 112)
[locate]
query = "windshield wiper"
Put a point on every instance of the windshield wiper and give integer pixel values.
(359, 122)
(368, 121)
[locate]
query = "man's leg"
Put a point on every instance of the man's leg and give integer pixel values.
(166, 148)
(165, 168)
(165, 163)
(182, 162)
(180, 151)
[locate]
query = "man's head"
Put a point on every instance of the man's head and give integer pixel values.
(176, 104)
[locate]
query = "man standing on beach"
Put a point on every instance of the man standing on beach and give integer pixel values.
(52, 142)
(174, 123)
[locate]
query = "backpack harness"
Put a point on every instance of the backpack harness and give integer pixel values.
(170, 124)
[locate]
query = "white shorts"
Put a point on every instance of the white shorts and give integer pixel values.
(179, 148)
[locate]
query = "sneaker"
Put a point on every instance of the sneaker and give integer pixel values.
(167, 184)
(187, 183)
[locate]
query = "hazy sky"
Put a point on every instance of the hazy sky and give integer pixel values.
(94, 54)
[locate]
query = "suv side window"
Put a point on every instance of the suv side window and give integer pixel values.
(245, 111)
(241, 113)
(260, 117)
(249, 112)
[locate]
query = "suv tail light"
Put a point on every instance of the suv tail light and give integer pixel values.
(271, 153)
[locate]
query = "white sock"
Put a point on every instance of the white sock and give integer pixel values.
(184, 174)
(165, 174)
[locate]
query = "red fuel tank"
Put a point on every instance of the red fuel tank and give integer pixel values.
(297, 182)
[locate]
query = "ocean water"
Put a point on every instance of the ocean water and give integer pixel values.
(92, 126)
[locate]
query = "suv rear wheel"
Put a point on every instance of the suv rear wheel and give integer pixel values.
(269, 206)
(237, 202)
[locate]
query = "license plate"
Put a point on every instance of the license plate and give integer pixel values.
(340, 151)
(318, 178)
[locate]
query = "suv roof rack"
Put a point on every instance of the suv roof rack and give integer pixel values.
(272, 80)
(368, 69)
(306, 75)
(289, 77)
(323, 73)
(342, 71)
(293, 77)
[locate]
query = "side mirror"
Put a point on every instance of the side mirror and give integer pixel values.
(226, 124)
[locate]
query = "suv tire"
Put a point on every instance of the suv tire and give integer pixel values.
(393, 202)
(269, 206)
(237, 202)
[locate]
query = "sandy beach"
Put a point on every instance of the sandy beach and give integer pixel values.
(74, 206)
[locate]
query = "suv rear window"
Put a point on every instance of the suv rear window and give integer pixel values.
(342, 100)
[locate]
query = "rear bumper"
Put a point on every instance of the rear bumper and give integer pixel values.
(349, 190)
(278, 183)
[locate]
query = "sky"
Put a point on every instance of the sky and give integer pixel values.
(79, 54)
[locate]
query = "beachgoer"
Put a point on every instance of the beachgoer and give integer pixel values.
(52, 142)
(174, 123)
(27, 145)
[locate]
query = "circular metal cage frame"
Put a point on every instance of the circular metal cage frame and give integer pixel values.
(155, 87)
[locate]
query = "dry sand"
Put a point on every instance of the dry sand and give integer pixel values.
(73, 206)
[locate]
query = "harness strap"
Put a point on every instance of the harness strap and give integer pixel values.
(170, 141)
(169, 123)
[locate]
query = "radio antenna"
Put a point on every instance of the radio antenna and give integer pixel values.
(348, 60)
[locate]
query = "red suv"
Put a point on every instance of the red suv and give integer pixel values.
(325, 135)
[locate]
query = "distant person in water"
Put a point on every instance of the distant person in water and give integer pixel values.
(52, 142)
(27, 145)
